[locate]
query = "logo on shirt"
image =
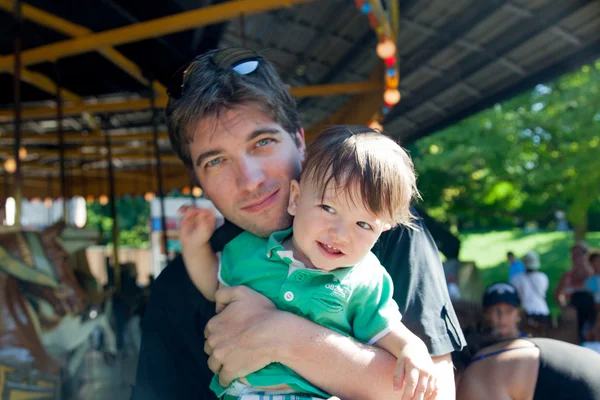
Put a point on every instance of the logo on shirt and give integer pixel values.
(335, 288)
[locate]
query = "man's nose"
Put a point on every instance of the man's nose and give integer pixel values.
(250, 174)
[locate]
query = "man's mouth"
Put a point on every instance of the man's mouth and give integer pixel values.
(262, 203)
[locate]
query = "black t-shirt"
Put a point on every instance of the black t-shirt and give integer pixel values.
(172, 363)
(566, 371)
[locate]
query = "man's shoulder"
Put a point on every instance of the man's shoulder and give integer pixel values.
(173, 285)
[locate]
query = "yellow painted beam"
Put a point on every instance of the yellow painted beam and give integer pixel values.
(334, 89)
(357, 111)
(46, 84)
(142, 104)
(68, 28)
(148, 30)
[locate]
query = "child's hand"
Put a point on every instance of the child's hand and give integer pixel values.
(197, 226)
(414, 373)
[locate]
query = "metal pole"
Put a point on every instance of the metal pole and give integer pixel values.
(61, 143)
(163, 220)
(113, 213)
(18, 182)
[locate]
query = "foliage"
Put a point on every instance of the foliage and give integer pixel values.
(133, 215)
(518, 161)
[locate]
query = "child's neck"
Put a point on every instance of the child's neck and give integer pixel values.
(290, 244)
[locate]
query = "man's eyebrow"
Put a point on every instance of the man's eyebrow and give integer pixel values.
(207, 154)
(262, 131)
(211, 153)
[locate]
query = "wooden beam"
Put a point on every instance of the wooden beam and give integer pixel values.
(149, 29)
(70, 138)
(76, 154)
(68, 28)
(143, 104)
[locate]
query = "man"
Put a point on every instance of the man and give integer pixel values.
(235, 126)
(515, 266)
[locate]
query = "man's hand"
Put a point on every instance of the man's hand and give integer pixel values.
(197, 226)
(414, 372)
(236, 338)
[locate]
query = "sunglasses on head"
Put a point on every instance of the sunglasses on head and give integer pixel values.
(242, 61)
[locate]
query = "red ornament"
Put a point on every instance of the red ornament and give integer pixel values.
(390, 61)
(388, 105)
(359, 3)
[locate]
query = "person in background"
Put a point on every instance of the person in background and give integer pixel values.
(532, 287)
(593, 282)
(515, 266)
(574, 279)
(502, 311)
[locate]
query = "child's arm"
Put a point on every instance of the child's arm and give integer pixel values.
(414, 368)
(197, 226)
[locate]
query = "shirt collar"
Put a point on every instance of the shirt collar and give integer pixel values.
(275, 240)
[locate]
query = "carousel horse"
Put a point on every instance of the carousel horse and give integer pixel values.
(68, 338)
(26, 370)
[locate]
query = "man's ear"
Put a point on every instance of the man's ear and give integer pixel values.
(300, 143)
(195, 181)
(386, 227)
(294, 194)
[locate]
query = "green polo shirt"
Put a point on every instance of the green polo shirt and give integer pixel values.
(354, 301)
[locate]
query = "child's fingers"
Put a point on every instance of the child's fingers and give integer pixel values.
(399, 375)
(421, 387)
(432, 389)
(411, 380)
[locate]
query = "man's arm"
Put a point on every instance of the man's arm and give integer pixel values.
(241, 340)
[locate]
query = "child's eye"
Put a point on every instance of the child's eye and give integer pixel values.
(214, 161)
(364, 225)
(325, 207)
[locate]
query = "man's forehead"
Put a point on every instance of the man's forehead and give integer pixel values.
(239, 121)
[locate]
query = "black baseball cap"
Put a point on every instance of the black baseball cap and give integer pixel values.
(501, 293)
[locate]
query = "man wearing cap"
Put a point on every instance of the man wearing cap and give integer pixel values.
(532, 287)
(235, 126)
(501, 307)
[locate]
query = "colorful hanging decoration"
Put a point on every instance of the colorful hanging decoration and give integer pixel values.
(381, 22)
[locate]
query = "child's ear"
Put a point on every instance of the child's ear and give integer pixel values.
(294, 194)
(386, 227)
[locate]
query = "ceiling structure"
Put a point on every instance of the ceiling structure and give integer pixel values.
(456, 58)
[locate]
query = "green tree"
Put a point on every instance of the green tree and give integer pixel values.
(133, 215)
(520, 160)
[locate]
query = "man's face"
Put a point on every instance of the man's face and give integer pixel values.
(511, 258)
(244, 162)
(333, 231)
(504, 319)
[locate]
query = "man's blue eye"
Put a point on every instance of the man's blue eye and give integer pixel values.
(213, 162)
(263, 142)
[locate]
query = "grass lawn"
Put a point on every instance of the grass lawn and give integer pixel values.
(488, 251)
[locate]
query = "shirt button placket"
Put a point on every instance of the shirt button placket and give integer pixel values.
(288, 296)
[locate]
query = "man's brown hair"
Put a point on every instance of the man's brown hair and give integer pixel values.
(209, 86)
(352, 157)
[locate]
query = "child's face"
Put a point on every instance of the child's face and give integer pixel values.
(332, 232)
